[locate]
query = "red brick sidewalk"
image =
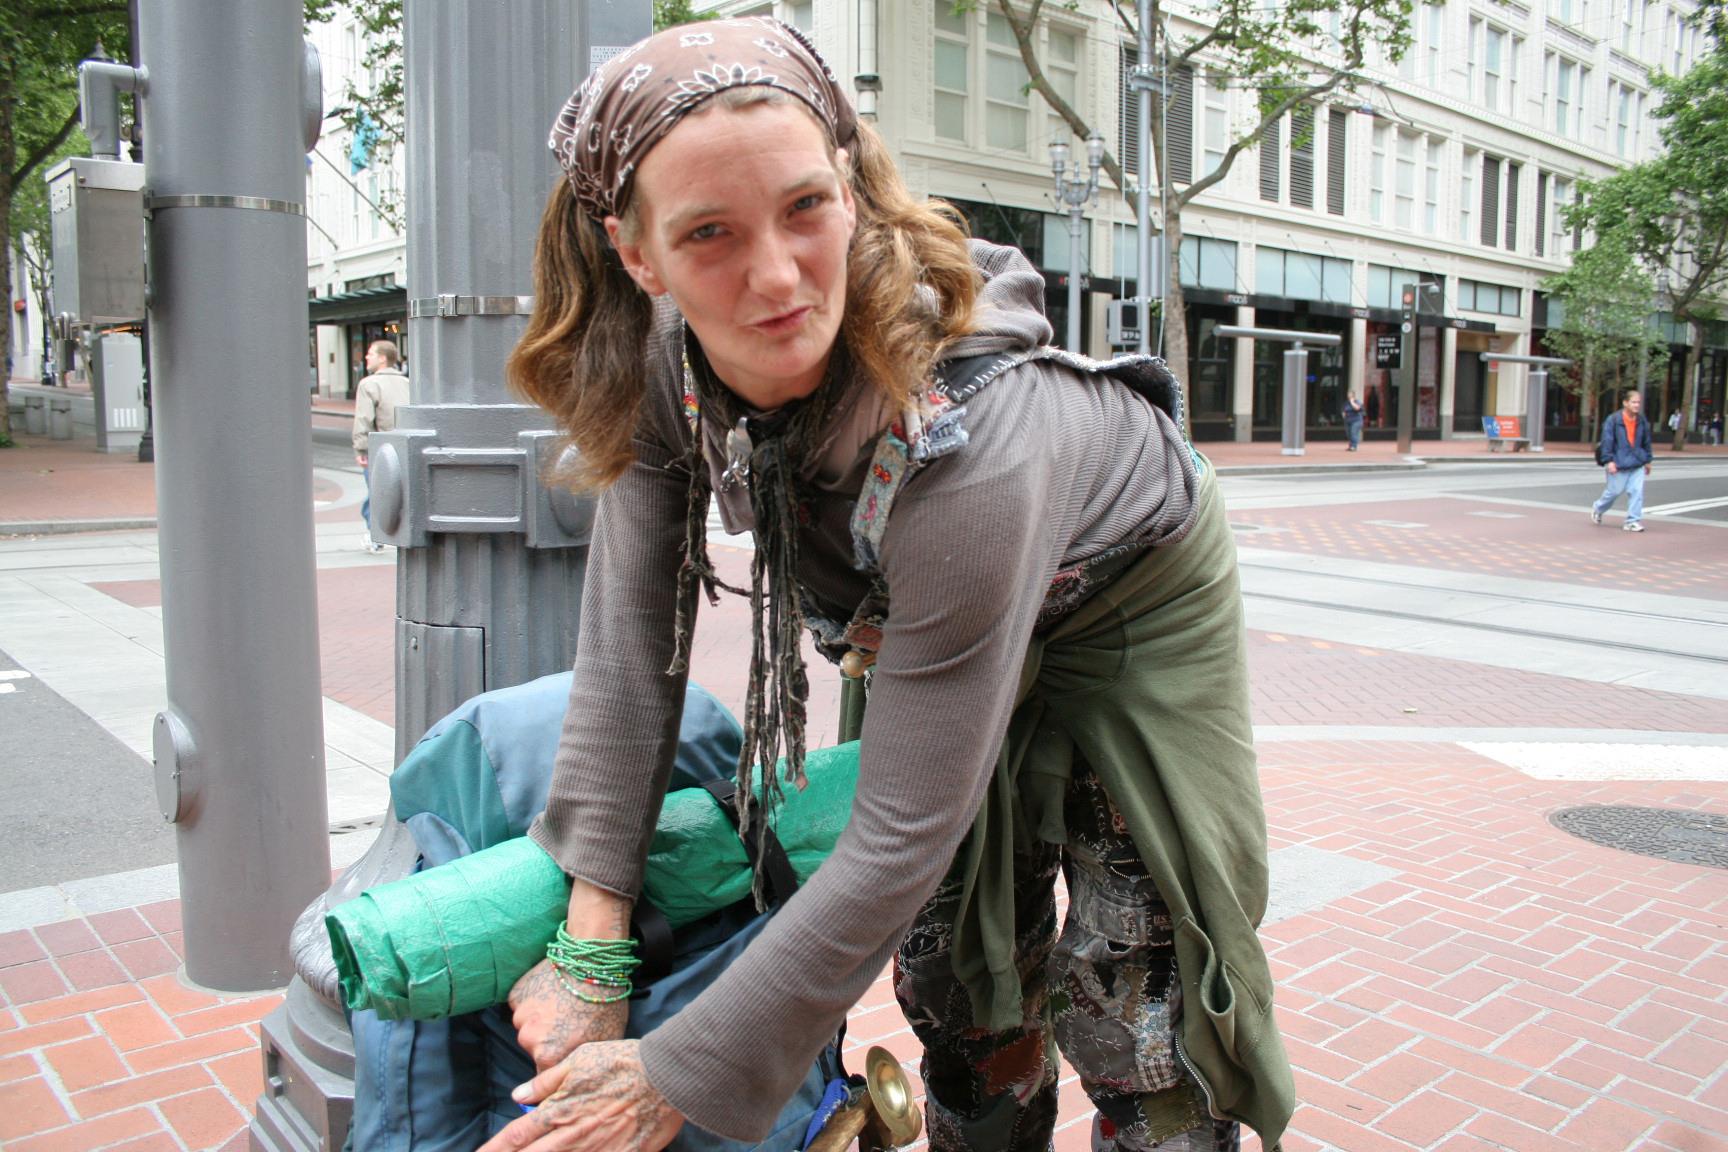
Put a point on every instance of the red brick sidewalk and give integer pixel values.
(1511, 987)
(1539, 544)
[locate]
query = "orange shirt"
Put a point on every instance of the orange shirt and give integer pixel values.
(1631, 428)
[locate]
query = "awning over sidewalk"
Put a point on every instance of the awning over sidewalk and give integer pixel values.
(383, 303)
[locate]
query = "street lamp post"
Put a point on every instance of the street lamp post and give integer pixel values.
(1075, 193)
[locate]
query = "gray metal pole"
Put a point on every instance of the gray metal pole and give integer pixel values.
(1295, 400)
(240, 747)
(457, 485)
(1074, 267)
(1536, 409)
(1143, 205)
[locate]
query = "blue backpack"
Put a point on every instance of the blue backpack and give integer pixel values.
(478, 777)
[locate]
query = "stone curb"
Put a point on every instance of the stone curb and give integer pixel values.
(66, 527)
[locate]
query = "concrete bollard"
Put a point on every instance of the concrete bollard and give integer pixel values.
(35, 415)
(59, 419)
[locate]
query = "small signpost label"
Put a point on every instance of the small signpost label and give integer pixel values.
(1389, 351)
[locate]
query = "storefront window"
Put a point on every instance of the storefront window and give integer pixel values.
(1298, 276)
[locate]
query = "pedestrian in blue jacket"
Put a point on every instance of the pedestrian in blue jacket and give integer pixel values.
(1625, 451)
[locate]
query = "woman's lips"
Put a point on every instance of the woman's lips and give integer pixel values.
(785, 322)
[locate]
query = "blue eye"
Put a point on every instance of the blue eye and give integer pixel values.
(705, 232)
(805, 203)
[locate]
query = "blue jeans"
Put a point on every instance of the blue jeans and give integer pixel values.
(1631, 482)
(1354, 428)
(366, 501)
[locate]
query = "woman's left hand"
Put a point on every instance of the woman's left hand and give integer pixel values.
(597, 1099)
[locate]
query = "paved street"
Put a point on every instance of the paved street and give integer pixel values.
(1443, 660)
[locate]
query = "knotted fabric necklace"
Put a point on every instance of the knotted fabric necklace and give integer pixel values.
(766, 453)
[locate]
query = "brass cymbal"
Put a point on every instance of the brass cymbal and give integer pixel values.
(891, 1093)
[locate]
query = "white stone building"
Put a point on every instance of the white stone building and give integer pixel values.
(1446, 169)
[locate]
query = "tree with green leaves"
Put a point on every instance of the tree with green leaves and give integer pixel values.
(1295, 54)
(41, 43)
(1671, 211)
(1602, 304)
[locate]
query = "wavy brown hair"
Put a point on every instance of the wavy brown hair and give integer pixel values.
(581, 357)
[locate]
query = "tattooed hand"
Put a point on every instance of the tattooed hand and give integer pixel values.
(551, 1022)
(597, 1100)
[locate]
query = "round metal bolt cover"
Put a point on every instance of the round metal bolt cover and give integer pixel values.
(574, 514)
(387, 483)
(1673, 834)
(171, 749)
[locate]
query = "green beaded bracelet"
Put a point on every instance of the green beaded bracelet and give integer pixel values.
(595, 963)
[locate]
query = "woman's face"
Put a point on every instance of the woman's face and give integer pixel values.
(745, 223)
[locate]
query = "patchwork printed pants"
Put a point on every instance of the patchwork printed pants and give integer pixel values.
(1103, 991)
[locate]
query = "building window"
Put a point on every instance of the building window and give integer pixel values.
(1404, 183)
(1431, 189)
(1475, 296)
(1562, 196)
(1302, 156)
(1208, 263)
(1128, 102)
(1005, 81)
(802, 16)
(1493, 68)
(1514, 173)
(1467, 192)
(1272, 161)
(1377, 174)
(953, 69)
(1568, 96)
(1299, 276)
(1539, 235)
(1434, 25)
(1217, 128)
(1062, 69)
(1337, 149)
(1386, 288)
(1179, 128)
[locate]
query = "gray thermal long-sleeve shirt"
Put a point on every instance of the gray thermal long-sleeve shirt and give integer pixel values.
(1059, 467)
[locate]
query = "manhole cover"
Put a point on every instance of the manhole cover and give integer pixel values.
(1665, 833)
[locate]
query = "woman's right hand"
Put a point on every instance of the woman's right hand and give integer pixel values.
(551, 1022)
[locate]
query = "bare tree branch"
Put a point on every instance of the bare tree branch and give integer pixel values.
(1249, 139)
(1022, 27)
(46, 149)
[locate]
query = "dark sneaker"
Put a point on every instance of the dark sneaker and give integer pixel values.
(1632, 526)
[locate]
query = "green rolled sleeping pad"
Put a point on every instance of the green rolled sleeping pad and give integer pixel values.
(456, 938)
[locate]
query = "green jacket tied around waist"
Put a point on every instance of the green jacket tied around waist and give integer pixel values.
(1147, 683)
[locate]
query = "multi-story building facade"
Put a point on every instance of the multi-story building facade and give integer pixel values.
(356, 252)
(1447, 169)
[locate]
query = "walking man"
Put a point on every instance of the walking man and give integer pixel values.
(381, 392)
(1625, 449)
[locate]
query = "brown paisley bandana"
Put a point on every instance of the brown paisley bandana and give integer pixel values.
(627, 104)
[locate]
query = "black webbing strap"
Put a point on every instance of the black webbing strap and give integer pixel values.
(782, 881)
(652, 931)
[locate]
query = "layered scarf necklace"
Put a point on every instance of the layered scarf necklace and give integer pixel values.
(766, 454)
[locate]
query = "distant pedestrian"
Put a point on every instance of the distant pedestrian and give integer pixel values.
(1353, 413)
(381, 392)
(1674, 420)
(1714, 430)
(1625, 451)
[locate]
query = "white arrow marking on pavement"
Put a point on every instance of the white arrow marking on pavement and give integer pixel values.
(1500, 515)
(1688, 506)
(1395, 523)
(5, 688)
(17, 674)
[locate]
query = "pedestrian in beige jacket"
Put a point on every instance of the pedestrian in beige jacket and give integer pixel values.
(381, 392)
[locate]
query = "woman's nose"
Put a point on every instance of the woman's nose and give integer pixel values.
(773, 267)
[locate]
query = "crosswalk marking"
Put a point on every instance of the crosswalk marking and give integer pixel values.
(1683, 506)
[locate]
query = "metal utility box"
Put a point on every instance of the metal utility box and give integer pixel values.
(96, 207)
(117, 379)
(1122, 323)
